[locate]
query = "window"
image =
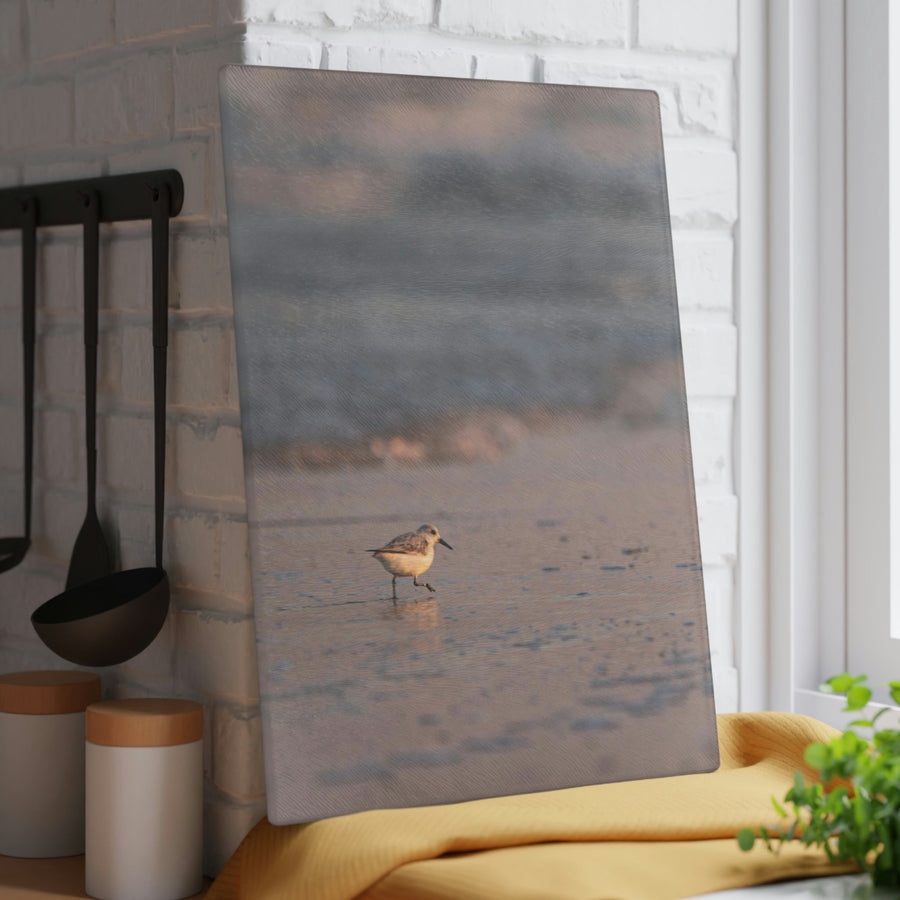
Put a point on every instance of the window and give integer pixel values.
(819, 445)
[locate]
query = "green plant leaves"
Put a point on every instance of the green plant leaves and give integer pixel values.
(895, 691)
(746, 838)
(817, 755)
(840, 684)
(852, 812)
(858, 696)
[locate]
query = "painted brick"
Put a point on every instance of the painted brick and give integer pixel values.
(125, 280)
(58, 284)
(190, 156)
(201, 277)
(209, 461)
(11, 506)
(12, 446)
(340, 13)
(58, 516)
(13, 616)
(581, 71)
(198, 370)
(711, 424)
(58, 434)
(232, 392)
(139, 19)
(234, 564)
(137, 375)
(11, 276)
(218, 212)
(399, 61)
(601, 21)
(9, 173)
(197, 84)
(694, 96)
(725, 685)
(62, 170)
(63, 27)
(192, 550)
(207, 601)
(216, 653)
(125, 451)
(41, 586)
(704, 270)
(151, 672)
(130, 100)
(274, 47)
(718, 586)
(11, 365)
(12, 45)
(227, 823)
(702, 183)
(718, 521)
(231, 12)
(26, 652)
(59, 365)
(135, 527)
(109, 362)
(11, 359)
(710, 360)
(504, 66)
(705, 104)
(37, 116)
(705, 26)
(237, 750)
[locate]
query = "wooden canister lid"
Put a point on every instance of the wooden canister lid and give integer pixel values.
(144, 722)
(48, 693)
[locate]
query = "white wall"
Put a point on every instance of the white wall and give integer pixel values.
(91, 87)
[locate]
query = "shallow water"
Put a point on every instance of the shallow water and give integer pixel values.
(565, 642)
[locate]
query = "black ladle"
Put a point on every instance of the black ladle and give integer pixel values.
(111, 619)
(90, 555)
(13, 549)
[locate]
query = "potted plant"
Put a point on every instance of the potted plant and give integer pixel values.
(853, 811)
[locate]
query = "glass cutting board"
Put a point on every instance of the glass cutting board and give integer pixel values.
(456, 318)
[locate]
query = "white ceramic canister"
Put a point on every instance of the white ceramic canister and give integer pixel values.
(144, 799)
(42, 761)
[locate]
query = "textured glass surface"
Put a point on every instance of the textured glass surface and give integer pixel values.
(455, 306)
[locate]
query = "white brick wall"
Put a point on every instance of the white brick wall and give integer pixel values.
(93, 87)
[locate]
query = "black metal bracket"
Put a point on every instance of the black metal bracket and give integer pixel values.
(121, 198)
(154, 195)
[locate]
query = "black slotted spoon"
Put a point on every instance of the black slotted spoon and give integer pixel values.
(13, 549)
(90, 555)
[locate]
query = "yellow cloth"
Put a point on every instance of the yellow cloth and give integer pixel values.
(657, 839)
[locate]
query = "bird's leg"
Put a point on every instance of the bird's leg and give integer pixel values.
(394, 589)
(423, 584)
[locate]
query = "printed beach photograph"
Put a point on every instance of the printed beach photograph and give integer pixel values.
(473, 531)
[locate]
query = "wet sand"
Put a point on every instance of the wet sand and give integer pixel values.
(565, 644)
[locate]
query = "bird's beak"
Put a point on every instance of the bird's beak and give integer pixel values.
(442, 541)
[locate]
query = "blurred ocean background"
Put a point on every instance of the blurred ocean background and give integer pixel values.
(455, 305)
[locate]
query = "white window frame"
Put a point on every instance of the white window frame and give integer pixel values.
(873, 338)
(820, 518)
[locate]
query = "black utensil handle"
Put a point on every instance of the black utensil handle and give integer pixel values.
(29, 268)
(160, 268)
(91, 228)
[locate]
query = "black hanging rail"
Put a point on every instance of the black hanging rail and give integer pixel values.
(102, 618)
(122, 198)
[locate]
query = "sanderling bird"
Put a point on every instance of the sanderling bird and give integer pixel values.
(410, 554)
